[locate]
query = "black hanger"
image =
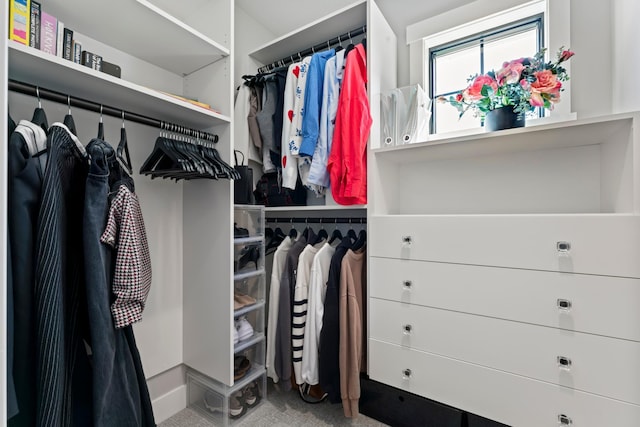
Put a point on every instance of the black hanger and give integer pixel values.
(293, 233)
(337, 234)
(123, 147)
(322, 235)
(361, 241)
(101, 126)
(39, 116)
(68, 119)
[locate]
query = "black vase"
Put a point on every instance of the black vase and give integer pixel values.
(503, 118)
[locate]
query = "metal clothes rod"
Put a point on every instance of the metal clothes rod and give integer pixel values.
(51, 95)
(323, 220)
(316, 48)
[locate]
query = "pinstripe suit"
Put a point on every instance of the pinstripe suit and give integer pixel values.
(61, 318)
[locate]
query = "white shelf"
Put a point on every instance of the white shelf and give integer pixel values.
(242, 276)
(326, 28)
(573, 133)
(249, 308)
(146, 32)
(33, 66)
(245, 344)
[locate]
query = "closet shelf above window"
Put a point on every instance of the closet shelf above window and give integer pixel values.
(35, 67)
(153, 35)
(325, 28)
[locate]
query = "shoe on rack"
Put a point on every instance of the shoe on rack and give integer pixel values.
(236, 407)
(213, 402)
(242, 300)
(248, 254)
(235, 336)
(241, 365)
(244, 328)
(252, 393)
(239, 231)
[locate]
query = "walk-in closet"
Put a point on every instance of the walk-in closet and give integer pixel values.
(211, 217)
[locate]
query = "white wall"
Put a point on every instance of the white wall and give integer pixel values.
(626, 55)
(593, 32)
(250, 34)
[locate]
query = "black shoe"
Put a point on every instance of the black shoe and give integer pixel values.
(249, 254)
(239, 231)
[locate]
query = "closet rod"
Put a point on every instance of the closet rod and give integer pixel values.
(51, 95)
(323, 220)
(317, 48)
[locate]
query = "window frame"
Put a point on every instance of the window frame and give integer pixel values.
(536, 21)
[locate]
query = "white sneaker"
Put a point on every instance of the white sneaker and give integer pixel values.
(244, 328)
(235, 336)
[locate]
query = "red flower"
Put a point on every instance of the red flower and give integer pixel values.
(474, 92)
(565, 55)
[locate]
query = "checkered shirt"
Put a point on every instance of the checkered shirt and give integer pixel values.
(132, 277)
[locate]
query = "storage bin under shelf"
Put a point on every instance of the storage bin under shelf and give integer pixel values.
(213, 400)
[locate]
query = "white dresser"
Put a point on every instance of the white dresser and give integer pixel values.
(505, 272)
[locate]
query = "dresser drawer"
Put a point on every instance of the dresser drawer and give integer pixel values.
(595, 304)
(497, 395)
(591, 244)
(605, 366)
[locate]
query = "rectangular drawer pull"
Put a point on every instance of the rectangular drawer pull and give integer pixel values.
(564, 304)
(564, 362)
(563, 420)
(563, 247)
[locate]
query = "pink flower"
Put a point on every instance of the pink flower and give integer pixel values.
(565, 55)
(474, 92)
(510, 72)
(545, 87)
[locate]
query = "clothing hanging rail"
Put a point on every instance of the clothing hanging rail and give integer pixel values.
(316, 48)
(51, 95)
(323, 220)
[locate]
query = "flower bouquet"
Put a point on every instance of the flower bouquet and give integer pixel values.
(521, 84)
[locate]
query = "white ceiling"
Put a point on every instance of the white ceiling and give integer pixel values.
(283, 16)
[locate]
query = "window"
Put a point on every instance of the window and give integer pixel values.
(451, 64)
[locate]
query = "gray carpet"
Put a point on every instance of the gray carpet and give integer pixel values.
(280, 409)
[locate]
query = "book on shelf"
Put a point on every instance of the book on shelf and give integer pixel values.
(19, 17)
(60, 39)
(77, 52)
(34, 24)
(91, 60)
(67, 44)
(48, 33)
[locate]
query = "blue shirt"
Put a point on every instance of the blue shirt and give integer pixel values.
(313, 101)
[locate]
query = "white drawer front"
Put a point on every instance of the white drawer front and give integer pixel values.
(504, 397)
(605, 366)
(599, 244)
(598, 304)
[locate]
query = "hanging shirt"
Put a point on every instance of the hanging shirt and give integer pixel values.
(279, 258)
(242, 140)
(125, 232)
(289, 163)
(348, 159)
(353, 279)
(313, 101)
(265, 120)
(299, 314)
(295, 134)
(282, 362)
(315, 310)
(318, 174)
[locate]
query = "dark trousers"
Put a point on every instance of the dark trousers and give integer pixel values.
(120, 395)
(24, 188)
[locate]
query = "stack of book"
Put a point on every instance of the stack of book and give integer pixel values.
(32, 26)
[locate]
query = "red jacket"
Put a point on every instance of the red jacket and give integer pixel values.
(348, 159)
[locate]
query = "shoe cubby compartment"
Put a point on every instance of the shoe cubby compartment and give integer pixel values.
(224, 405)
(249, 327)
(249, 356)
(248, 257)
(249, 221)
(248, 291)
